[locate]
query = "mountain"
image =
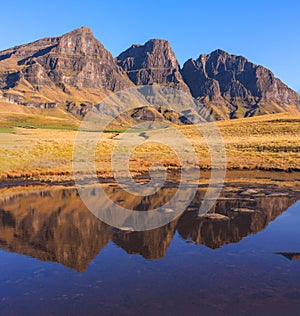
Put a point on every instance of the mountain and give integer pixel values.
(152, 63)
(235, 87)
(75, 72)
(74, 67)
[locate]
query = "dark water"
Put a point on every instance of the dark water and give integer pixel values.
(58, 259)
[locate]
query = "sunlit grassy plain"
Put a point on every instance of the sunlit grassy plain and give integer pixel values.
(38, 144)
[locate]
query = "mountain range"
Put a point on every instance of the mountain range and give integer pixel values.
(74, 71)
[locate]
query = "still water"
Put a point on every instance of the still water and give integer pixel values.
(57, 258)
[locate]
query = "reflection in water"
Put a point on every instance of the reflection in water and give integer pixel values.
(54, 225)
(290, 255)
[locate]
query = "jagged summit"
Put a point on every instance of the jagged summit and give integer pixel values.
(152, 63)
(219, 51)
(83, 29)
(48, 69)
(76, 68)
(19, 49)
(235, 87)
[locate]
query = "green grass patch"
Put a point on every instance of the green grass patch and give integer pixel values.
(133, 130)
(6, 130)
(51, 127)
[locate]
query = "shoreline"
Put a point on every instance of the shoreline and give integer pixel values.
(290, 178)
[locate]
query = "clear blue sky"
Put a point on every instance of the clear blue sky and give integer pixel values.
(266, 32)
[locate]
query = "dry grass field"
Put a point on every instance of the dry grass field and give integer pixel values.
(39, 144)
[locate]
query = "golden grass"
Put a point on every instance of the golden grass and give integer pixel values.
(269, 142)
(12, 115)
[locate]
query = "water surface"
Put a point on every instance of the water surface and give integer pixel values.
(58, 258)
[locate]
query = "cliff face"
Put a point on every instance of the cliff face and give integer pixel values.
(237, 87)
(152, 63)
(74, 60)
(75, 71)
(80, 60)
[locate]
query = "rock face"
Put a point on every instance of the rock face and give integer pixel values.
(152, 63)
(75, 71)
(82, 61)
(237, 87)
(75, 59)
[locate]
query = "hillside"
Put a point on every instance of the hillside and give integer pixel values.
(73, 69)
(235, 87)
(75, 72)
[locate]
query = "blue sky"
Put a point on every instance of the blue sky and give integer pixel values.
(266, 32)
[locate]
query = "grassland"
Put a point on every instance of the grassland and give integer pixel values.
(39, 145)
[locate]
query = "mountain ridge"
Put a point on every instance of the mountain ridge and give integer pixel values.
(74, 71)
(49, 69)
(233, 82)
(152, 63)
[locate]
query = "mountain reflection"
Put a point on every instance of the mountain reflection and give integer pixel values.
(54, 224)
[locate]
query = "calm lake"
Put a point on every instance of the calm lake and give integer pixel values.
(57, 258)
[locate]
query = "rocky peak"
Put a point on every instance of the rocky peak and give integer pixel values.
(146, 56)
(162, 48)
(76, 59)
(80, 60)
(234, 83)
(76, 66)
(81, 41)
(152, 63)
